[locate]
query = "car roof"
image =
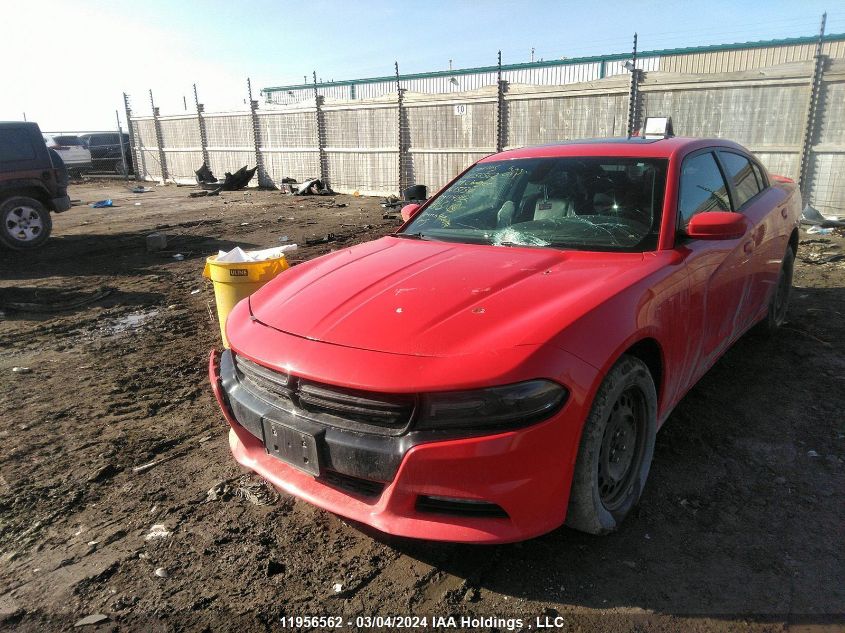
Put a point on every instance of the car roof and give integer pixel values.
(623, 147)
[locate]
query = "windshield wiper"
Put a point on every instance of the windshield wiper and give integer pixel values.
(410, 236)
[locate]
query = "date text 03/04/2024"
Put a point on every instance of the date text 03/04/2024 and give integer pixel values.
(420, 622)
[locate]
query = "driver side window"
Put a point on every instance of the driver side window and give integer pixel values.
(703, 188)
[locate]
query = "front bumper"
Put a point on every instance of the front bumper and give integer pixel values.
(526, 472)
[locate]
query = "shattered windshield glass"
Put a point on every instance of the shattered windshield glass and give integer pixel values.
(581, 203)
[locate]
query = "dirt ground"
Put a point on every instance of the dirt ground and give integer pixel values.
(741, 526)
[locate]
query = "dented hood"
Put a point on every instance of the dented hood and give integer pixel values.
(439, 299)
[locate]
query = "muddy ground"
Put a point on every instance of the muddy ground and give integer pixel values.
(741, 527)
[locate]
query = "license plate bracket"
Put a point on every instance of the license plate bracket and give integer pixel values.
(296, 447)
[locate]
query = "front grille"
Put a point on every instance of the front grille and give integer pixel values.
(334, 406)
(355, 485)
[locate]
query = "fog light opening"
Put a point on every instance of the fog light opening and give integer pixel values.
(460, 507)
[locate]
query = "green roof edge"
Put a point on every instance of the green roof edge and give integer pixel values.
(568, 62)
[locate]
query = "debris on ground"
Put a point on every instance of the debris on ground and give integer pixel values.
(330, 237)
(812, 216)
(156, 242)
(21, 370)
(100, 204)
(141, 189)
(391, 202)
(89, 620)
(161, 572)
(231, 181)
(103, 473)
(314, 187)
(157, 531)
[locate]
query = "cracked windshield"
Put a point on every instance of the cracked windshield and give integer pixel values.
(602, 204)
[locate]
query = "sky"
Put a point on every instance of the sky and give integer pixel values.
(66, 63)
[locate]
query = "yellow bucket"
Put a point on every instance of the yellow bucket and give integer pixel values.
(234, 281)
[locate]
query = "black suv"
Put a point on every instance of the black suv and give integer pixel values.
(106, 148)
(33, 182)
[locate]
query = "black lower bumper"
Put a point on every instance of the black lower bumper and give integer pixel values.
(363, 455)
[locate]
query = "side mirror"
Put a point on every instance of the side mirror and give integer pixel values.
(409, 211)
(717, 225)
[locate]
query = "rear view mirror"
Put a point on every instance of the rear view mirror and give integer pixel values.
(716, 225)
(409, 210)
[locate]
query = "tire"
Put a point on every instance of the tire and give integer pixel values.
(24, 223)
(617, 444)
(779, 305)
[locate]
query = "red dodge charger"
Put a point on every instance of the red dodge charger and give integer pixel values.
(501, 364)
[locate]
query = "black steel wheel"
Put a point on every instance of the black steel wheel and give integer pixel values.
(617, 444)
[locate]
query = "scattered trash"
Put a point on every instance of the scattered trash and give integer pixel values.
(274, 568)
(338, 587)
(217, 491)
(244, 223)
(103, 472)
(198, 194)
(237, 254)
(21, 370)
(818, 230)
(94, 618)
(141, 189)
(137, 204)
(812, 454)
(195, 291)
(256, 493)
(156, 242)
(811, 215)
(314, 187)
(284, 238)
(161, 572)
(391, 202)
(159, 530)
(178, 257)
(390, 216)
(331, 237)
(101, 204)
(231, 182)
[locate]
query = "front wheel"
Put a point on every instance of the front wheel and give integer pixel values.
(616, 448)
(24, 223)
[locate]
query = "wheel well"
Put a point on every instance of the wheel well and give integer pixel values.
(793, 241)
(31, 192)
(648, 351)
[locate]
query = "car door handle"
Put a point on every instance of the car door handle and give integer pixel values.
(748, 247)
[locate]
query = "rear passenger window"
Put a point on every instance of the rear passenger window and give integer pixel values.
(742, 176)
(702, 188)
(761, 177)
(16, 145)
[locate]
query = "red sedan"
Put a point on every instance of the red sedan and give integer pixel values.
(501, 364)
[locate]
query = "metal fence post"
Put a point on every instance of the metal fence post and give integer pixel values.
(201, 124)
(159, 142)
(321, 133)
(501, 124)
(400, 119)
(256, 136)
(136, 158)
(120, 143)
(633, 95)
(811, 118)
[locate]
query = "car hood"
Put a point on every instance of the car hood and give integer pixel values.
(427, 298)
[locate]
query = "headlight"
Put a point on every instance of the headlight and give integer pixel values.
(506, 406)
